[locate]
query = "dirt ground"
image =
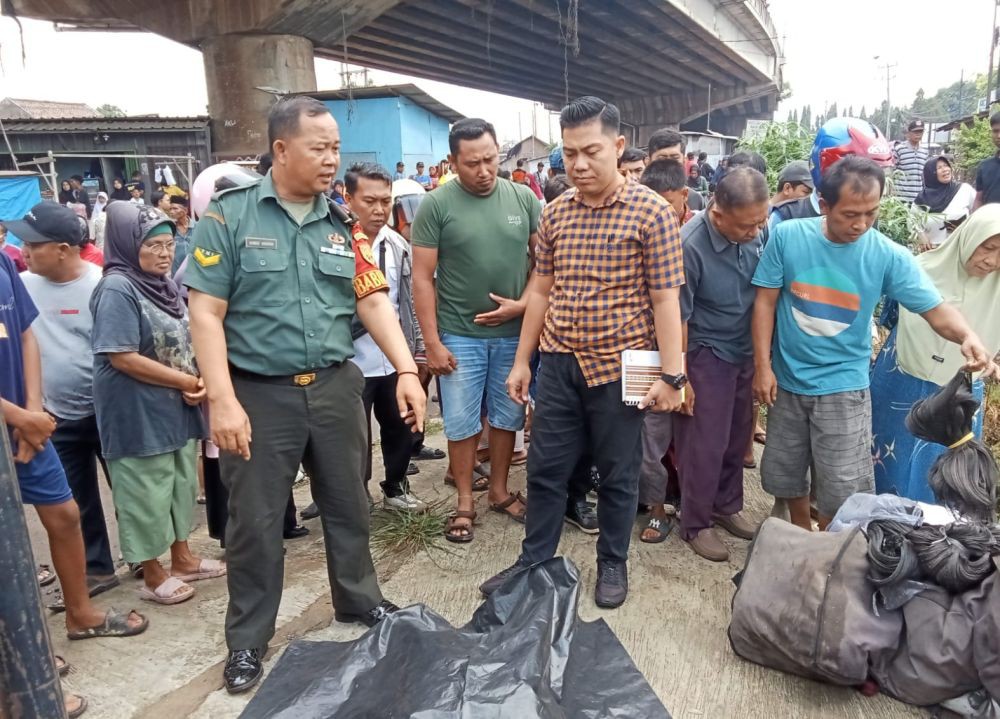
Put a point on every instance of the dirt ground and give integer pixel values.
(673, 624)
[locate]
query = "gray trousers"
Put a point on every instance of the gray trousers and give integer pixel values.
(321, 426)
(657, 433)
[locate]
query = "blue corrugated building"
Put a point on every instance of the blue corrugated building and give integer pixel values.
(390, 123)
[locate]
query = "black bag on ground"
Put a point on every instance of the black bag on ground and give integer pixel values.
(804, 605)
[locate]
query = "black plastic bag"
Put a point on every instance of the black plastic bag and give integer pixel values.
(524, 655)
(964, 478)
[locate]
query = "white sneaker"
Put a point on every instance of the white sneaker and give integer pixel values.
(405, 503)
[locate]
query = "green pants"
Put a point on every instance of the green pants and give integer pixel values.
(321, 426)
(154, 500)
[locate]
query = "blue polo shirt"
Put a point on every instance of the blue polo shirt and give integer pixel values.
(717, 295)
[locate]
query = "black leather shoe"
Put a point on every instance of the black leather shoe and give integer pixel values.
(296, 532)
(429, 453)
(310, 512)
(582, 515)
(412, 469)
(612, 584)
(244, 668)
(493, 583)
(370, 618)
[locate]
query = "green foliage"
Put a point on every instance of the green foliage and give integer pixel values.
(107, 110)
(779, 143)
(898, 220)
(972, 145)
(406, 533)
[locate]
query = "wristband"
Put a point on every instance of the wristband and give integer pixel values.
(400, 374)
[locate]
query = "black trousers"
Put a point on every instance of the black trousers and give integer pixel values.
(379, 395)
(79, 448)
(572, 419)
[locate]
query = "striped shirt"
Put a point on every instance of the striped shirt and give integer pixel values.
(604, 261)
(909, 161)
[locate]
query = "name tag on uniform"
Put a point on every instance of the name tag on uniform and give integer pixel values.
(338, 251)
(261, 243)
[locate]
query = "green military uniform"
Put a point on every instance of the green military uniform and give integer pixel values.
(291, 291)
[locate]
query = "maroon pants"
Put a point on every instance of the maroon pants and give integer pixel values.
(710, 445)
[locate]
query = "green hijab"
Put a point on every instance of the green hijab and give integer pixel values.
(920, 351)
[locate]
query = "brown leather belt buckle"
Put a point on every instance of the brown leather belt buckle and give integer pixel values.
(304, 380)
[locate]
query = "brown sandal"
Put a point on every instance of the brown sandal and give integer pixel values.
(453, 526)
(480, 483)
(501, 507)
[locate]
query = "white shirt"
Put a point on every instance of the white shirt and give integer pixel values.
(367, 356)
(959, 207)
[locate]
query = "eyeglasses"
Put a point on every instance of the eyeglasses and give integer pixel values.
(159, 248)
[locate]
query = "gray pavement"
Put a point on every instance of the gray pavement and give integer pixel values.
(673, 624)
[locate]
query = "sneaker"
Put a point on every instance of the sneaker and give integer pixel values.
(582, 515)
(404, 503)
(737, 525)
(612, 584)
(493, 583)
(708, 545)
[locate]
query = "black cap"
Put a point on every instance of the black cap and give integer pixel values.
(49, 222)
(915, 125)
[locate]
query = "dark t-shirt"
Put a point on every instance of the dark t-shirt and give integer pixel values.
(17, 312)
(136, 419)
(988, 179)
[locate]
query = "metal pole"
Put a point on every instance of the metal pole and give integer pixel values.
(961, 88)
(708, 113)
(888, 105)
(29, 683)
(993, 45)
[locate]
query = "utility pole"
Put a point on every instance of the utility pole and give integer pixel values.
(888, 100)
(993, 45)
(961, 88)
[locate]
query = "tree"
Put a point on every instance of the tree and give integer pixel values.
(973, 144)
(832, 111)
(863, 115)
(850, 111)
(107, 110)
(806, 119)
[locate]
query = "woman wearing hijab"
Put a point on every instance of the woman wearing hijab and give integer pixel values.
(949, 202)
(696, 182)
(66, 194)
(915, 362)
(146, 393)
(119, 191)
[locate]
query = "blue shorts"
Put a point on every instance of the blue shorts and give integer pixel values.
(43, 480)
(483, 366)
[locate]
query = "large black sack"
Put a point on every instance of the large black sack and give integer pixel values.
(524, 655)
(804, 605)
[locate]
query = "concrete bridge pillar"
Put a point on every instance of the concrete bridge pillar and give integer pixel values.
(235, 66)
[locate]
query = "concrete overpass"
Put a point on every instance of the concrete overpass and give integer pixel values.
(664, 62)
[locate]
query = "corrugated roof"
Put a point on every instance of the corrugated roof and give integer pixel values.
(102, 124)
(22, 107)
(409, 91)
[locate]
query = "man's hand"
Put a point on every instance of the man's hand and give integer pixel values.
(196, 397)
(230, 426)
(976, 356)
(423, 373)
(439, 360)
(661, 398)
(518, 382)
(412, 400)
(687, 406)
(507, 310)
(31, 432)
(765, 386)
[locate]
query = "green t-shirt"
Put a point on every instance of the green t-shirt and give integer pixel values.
(482, 244)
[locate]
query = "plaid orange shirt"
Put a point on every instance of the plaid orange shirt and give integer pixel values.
(605, 260)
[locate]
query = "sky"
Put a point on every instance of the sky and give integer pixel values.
(821, 66)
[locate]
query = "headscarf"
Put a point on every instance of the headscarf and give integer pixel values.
(978, 299)
(936, 195)
(99, 204)
(128, 225)
(66, 196)
(120, 193)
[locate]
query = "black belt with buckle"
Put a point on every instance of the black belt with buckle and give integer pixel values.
(303, 379)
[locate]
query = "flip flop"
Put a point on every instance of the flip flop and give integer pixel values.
(45, 575)
(519, 458)
(750, 465)
(164, 594)
(479, 484)
(662, 527)
(760, 437)
(62, 666)
(95, 586)
(451, 527)
(115, 625)
(501, 507)
(207, 569)
(80, 709)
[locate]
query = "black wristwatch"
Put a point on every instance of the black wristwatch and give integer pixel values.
(677, 381)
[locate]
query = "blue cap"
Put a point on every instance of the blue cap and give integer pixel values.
(556, 159)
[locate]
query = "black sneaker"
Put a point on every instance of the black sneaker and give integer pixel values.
(612, 584)
(493, 583)
(582, 515)
(310, 512)
(296, 532)
(370, 618)
(244, 668)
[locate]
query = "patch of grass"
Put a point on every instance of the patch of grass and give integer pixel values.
(403, 534)
(433, 427)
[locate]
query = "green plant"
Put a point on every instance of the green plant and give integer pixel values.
(403, 534)
(973, 144)
(898, 220)
(778, 143)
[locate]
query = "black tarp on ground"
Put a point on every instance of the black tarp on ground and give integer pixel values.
(524, 655)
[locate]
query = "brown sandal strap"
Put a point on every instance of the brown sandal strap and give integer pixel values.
(463, 514)
(502, 506)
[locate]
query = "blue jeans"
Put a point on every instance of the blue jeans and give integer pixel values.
(483, 366)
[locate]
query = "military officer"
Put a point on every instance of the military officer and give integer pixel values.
(275, 275)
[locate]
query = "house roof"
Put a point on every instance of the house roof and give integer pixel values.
(409, 91)
(13, 107)
(515, 150)
(105, 124)
(963, 120)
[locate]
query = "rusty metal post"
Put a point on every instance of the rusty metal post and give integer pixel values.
(29, 683)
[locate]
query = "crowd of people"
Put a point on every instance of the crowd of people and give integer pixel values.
(265, 336)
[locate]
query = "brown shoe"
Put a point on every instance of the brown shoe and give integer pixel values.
(736, 525)
(708, 545)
